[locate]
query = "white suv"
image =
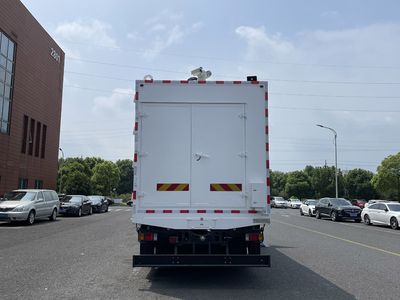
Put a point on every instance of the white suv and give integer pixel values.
(28, 205)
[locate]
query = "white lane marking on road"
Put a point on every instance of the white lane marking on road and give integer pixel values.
(118, 209)
(359, 225)
(341, 239)
(128, 209)
(287, 216)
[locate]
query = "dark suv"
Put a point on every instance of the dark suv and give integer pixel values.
(337, 209)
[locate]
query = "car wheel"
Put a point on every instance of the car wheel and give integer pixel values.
(31, 217)
(53, 216)
(318, 214)
(367, 220)
(301, 212)
(309, 213)
(334, 217)
(79, 214)
(90, 211)
(394, 223)
(106, 208)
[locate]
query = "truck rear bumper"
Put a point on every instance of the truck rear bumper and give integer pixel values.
(201, 260)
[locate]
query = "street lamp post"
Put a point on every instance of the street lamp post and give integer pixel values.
(62, 155)
(336, 170)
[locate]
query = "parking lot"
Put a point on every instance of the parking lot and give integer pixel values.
(90, 258)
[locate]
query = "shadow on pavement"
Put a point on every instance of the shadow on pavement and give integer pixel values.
(286, 279)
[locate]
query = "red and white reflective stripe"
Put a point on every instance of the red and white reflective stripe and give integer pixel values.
(199, 211)
(198, 82)
(267, 164)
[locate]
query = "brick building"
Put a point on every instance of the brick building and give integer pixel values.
(31, 81)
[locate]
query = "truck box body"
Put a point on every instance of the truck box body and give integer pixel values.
(201, 155)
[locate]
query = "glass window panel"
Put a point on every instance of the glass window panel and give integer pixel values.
(1, 107)
(4, 45)
(4, 127)
(1, 89)
(6, 110)
(10, 50)
(2, 74)
(3, 61)
(9, 65)
(7, 92)
(8, 78)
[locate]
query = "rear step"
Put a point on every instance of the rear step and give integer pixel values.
(201, 260)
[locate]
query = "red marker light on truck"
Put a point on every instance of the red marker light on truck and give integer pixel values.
(254, 237)
(148, 236)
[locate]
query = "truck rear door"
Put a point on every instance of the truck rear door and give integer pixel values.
(218, 159)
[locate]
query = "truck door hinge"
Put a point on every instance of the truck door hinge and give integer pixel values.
(143, 154)
(142, 115)
(243, 116)
(243, 154)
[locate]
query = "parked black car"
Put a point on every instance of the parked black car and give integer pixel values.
(76, 205)
(337, 209)
(99, 203)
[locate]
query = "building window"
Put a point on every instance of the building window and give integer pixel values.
(44, 132)
(23, 183)
(7, 61)
(37, 143)
(31, 137)
(38, 184)
(24, 134)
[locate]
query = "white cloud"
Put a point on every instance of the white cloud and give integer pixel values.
(165, 30)
(119, 103)
(93, 32)
(259, 41)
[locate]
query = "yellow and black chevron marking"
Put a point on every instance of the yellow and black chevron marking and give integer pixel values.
(172, 187)
(225, 187)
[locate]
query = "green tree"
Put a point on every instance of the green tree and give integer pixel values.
(278, 182)
(105, 177)
(126, 176)
(74, 178)
(298, 185)
(323, 182)
(358, 184)
(387, 178)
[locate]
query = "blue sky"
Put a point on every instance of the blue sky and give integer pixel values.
(334, 63)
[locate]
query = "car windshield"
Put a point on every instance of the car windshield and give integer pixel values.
(279, 199)
(340, 202)
(20, 196)
(72, 199)
(295, 200)
(394, 207)
(312, 202)
(95, 199)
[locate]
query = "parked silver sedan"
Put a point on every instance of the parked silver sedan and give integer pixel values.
(28, 205)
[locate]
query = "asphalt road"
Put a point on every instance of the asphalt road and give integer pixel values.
(90, 258)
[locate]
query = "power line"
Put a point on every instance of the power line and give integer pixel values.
(268, 79)
(180, 55)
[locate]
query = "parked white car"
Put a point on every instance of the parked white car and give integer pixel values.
(28, 205)
(294, 203)
(375, 201)
(279, 202)
(382, 214)
(308, 207)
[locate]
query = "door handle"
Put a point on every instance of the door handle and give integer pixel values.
(198, 156)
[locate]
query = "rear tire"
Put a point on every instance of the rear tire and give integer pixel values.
(79, 213)
(318, 214)
(90, 211)
(53, 216)
(394, 224)
(309, 213)
(301, 212)
(31, 218)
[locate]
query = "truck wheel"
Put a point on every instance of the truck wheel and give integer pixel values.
(146, 249)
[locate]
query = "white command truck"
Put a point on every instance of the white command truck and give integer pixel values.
(201, 173)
